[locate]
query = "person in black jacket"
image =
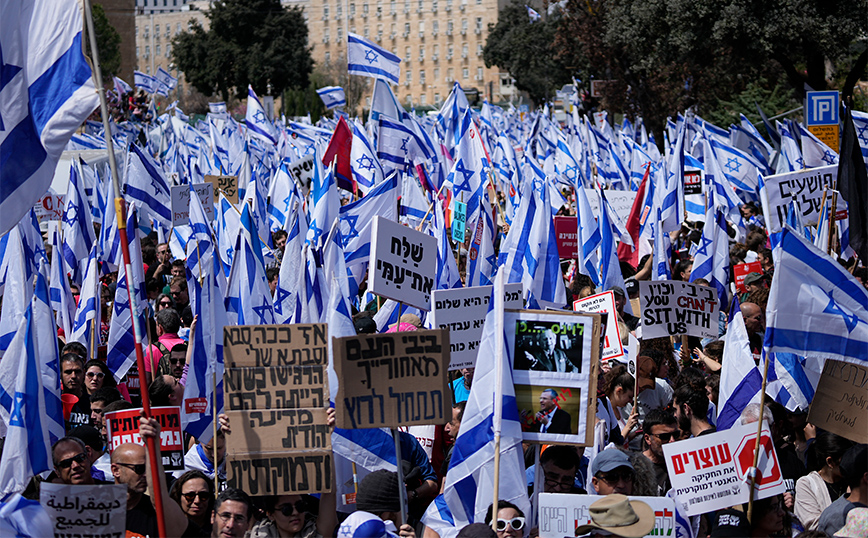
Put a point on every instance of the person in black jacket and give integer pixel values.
(551, 418)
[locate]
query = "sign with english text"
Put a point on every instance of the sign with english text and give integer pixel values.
(673, 308)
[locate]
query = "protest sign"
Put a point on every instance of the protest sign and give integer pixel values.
(566, 233)
(402, 264)
(803, 187)
(50, 207)
(672, 307)
(123, 427)
(692, 182)
(98, 510)
(742, 270)
(555, 357)
(841, 400)
(707, 472)
(462, 311)
(181, 202)
(604, 303)
(276, 388)
(621, 202)
(303, 171)
(459, 220)
(227, 184)
(391, 380)
(561, 513)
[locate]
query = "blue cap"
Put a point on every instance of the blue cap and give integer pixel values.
(609, 460)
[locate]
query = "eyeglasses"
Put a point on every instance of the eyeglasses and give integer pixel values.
(176, 361)
(289, 508)
(228, 516)
(517, 523)
(191, 496)
(138, 468)
(614, 478)
(98, 375)
(666, 437)
(67, 463)
(553, 481)
(165, 303)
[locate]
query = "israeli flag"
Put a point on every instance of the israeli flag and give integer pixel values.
(145, 82)
(88, 312)
(368, 60)
(166, 78)
(147, 185)
(256, 119)
(740, 379)
(832, 306)
(121, 87)
(532, 14)
(332, 96)
(47, 93)
(711, 260)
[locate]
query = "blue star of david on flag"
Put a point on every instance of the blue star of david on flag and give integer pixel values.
(464, 184)
(352, 233)
(365, 162)
(850, 320)
(371, 56)
(732, 165)
(366, 59)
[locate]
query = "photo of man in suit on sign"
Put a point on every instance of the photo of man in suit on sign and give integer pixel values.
(551, 418)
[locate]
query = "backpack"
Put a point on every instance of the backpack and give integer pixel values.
(165, 366)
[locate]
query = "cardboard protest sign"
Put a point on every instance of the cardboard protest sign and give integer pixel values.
(803, 187)
(604, 303)
(303, 171)
(459, 220)
(462, 311)
(402, 263)
(123, 427)
(707, 471)
(841, 400)
(621, 202)
(556, 353)
(567, 233)
(394, 379)
(276, 393)
(561, 513)
(672, 307)
(181, 202)
(742, 270)
(79, 511)
(227, 184)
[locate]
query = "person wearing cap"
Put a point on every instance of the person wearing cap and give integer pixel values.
(631, 321)
(854, 467)
(612, 472)
(616, 515)
(752, 282)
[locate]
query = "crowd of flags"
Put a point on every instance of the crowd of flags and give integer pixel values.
(506, 168)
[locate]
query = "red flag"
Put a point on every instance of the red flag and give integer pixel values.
(339, 148)
(626, 253)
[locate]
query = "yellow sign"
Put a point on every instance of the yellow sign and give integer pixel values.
(828, 134)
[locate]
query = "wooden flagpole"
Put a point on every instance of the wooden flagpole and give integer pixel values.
(759, 430)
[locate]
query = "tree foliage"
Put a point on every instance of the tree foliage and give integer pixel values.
(667, 55)
(526, 51)
(256, 42)
(108, 42)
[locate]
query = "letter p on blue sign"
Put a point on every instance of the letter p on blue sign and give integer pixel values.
(821, 108)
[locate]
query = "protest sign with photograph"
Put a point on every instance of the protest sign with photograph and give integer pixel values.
(181, 202)
(604, 303)
(79, 511)
(841, 400)
(276, 394)
(402, 263)
(227, 184)
(802, 187)
(566, 234)
(672, 307)
(394, 379)
(561, 513)
(555, 357)
(462, 311)
(742, 270)
(707, 472)
(123, 427)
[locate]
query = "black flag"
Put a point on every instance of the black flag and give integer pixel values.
(853, 185)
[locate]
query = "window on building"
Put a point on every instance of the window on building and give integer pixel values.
(147, 50)
(437, 99)
(464, 25)
(393, 7)
(340, 34)
(328, 58)
(325, 12)
(464, 50)
(365, 8)
(352, 10)
(435, 26)
(423, 99)
(408, 77)
(421, 28)
(479, 49)
(421, 52)
(367, 32)
(147, 31)
(450, 75)
(326, 35)
(158, 50)
(137, 32)
(479, 23)
(406, 29)
(479, 73)
(450, 52)
(178, 29)
(434, 5)
(449, 26)
(465, 73)
(436, 51)
(407, 53)
(168, 50)
(420, 5)
(340, 10)
(436, 74)
(379, 8)
(422, 77)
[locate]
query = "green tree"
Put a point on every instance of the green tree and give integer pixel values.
(526, 50)
(256, 42)
(108, 42)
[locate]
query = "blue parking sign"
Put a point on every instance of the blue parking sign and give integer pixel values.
(821, 108)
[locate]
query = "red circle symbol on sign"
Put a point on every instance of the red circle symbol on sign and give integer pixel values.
(769, 473)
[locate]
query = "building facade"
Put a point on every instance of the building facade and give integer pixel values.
(154, 33)
(121, 15)
(438, 41)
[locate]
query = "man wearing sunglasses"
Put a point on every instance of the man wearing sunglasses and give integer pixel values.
(72, 461)
(612, 473)
(660, 428)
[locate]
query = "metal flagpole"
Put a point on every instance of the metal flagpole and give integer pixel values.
(121, 212)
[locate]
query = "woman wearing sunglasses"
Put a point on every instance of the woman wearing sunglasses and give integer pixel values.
(163, 301)
(289, 516)
(510, 520)
(194, 492)
(97, 376)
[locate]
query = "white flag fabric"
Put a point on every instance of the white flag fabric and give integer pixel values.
(46, 93)
(332, 96)
(368, 60)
